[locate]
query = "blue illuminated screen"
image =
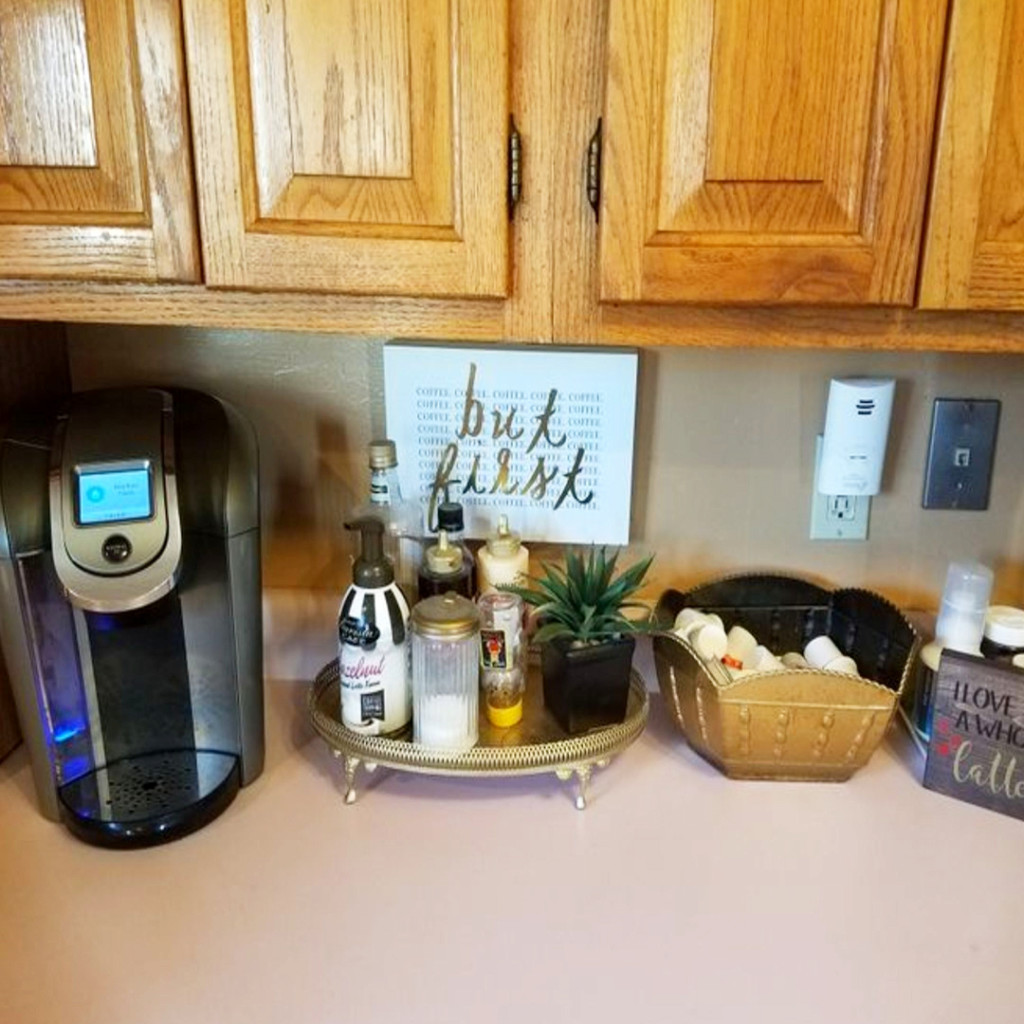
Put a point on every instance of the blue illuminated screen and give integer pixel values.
(114, 496)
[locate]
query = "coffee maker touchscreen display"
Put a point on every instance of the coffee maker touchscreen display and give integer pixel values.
(114, 495)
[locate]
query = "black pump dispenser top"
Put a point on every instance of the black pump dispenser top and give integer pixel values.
(449, 513)
(372, 568)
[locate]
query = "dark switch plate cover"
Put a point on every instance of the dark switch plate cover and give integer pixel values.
(963, 444)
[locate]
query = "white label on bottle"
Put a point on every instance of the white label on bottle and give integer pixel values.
(374, 689)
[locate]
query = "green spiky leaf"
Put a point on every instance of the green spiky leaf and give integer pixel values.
(585, 599)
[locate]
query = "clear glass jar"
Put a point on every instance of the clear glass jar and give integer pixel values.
(502, 668)
(445, 634)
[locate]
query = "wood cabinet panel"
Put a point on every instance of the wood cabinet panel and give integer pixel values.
(974, 249)
(351, 89)
(46, 84)
(95, 175)
(352, 147)
(767, 150)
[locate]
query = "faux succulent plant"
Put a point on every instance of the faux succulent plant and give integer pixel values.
(584, 601)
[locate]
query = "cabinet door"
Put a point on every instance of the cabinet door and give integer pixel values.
(767, 150)
(974, 246)
(95, 174)
(352, 146)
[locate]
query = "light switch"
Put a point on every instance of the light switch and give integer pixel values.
(960, 454)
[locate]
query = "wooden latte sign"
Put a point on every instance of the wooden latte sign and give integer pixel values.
(977, 746)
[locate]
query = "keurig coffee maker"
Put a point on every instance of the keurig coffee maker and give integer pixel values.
(130, 609)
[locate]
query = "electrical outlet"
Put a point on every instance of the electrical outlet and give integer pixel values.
(837, 516)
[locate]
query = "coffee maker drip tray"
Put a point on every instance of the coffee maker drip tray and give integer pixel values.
(151, 798)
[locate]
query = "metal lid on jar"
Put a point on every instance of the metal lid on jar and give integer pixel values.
(383, 455)
(1005, 625)
(447, 616)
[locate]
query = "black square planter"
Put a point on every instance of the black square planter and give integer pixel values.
(587, 687)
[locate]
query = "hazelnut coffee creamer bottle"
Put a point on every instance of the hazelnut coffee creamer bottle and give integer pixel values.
(372, 629)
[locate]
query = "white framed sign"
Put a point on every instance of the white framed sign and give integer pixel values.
(543, 434)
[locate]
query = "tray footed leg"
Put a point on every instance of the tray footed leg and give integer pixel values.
(582, 785)
(582, 773)
(351, 765)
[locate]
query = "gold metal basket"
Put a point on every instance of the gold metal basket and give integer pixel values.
(803, 724)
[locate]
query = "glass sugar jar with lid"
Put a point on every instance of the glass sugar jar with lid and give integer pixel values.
(445, 644)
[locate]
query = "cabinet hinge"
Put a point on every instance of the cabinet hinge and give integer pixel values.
(515, 166)
(594, 171)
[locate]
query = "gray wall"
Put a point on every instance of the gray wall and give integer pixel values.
(725, 451)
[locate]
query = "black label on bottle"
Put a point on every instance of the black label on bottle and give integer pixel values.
(371, 705)
(358, 632)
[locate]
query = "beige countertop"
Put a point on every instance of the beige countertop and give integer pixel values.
(677, 895)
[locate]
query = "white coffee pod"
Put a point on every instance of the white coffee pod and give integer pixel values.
(820, 651)
(739, 649)
(762, 660)
(688, 618)
(793, 659)
(702, 632)
(1018, 661)
(708, 641)
(844, 664)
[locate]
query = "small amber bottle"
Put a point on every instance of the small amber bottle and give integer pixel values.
(445, 569)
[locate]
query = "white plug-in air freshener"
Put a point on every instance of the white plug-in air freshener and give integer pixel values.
(856, 430)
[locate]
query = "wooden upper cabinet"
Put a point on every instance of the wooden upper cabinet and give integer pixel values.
(95, 173)
(352, 145)
(771, 151)
(974, 246)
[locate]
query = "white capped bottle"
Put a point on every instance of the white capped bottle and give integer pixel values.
(376, 696)
(504, 559)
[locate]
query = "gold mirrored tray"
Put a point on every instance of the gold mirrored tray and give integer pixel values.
(537, 745)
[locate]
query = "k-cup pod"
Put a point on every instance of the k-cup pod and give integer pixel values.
(739, 648)
(762, 660)
(708, 641)
(844, 664)
(820, 651)
(793, 659)
(704, 633)
(688, 618)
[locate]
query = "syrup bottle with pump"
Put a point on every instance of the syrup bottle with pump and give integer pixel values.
(451, 519)
(376, 695)
(445, 569)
